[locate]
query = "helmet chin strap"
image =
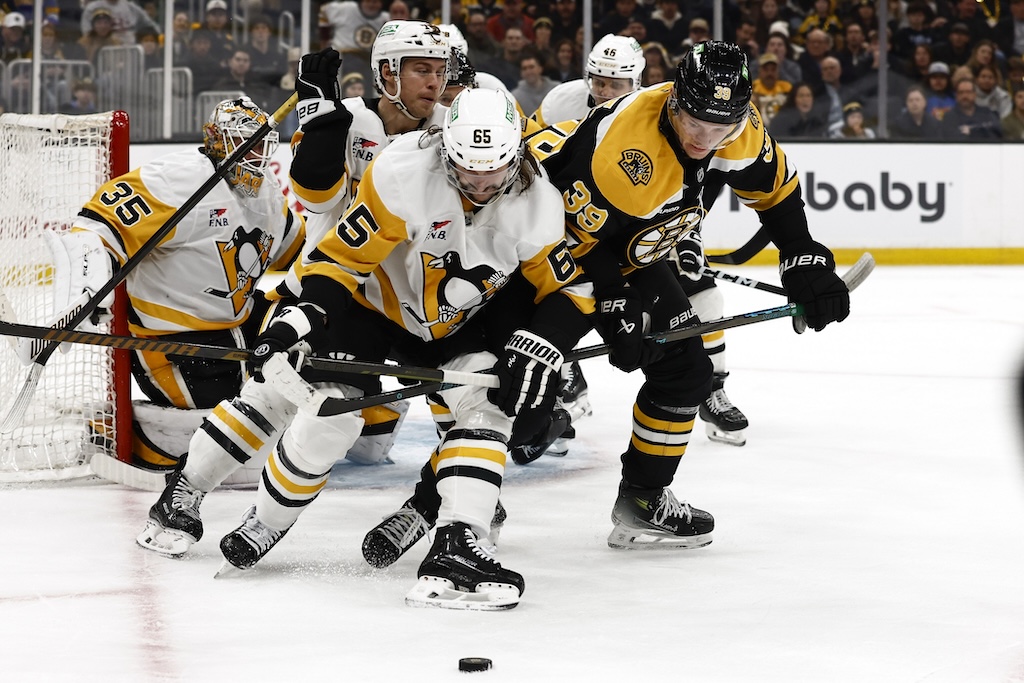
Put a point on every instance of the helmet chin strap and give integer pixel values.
(396, 99)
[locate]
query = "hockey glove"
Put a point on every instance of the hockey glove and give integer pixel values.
(621, 320)
(689, 255)
(317, 87)
(294, 331)
(808, 272)
(528, 374)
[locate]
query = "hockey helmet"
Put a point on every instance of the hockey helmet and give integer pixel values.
(398, 40)
(230, 124)
(481, 144)
(618, 57)
(455, 37)
(462, 75)
(710, 102)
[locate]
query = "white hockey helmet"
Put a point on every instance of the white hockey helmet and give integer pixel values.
(230, 124)
(617, 57)
(398, 40)
(482, 144)
(455, 37)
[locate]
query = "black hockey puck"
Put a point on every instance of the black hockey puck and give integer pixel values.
(474, 664)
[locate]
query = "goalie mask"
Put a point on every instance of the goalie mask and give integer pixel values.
(481, 145)
(232, 123)
(710, 100)
(614, 67)
(400, 40)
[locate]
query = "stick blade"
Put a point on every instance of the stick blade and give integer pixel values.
(16, 413)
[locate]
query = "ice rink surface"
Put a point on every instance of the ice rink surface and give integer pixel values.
(872, 529)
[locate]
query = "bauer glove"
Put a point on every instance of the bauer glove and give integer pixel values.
(808, 273)
(317, 87)
(621, 320)
(528, 374)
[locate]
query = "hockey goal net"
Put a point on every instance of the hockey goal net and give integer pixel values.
(50, 166)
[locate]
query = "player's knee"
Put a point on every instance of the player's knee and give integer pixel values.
(380, 428)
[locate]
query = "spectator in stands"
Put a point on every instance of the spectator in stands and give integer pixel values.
(916, 32)
(984, 53)
(222, 43)
(511, 16)
(834, 94)
(988, 92)
(653, 74)
(542, 46)
(818, 46)
(746, 32)
(482, 47)
(101, 35)
(914, 122)
(937, 90)
(821, 17)
(566, 64)
(853, 127)
(697, 32)
(26, 8)
(765, 14)
(488, 7)
(181, 32)
(956, 49)
(506, 67)
(769, 91)
(398, 10)
(533, 85)
(284, 90)
(350, 27)
(789, 70)
(668, 27)
(267, 58)
(1014, 74)
(1009, 32)
(855, 56)
(917, 68)
(865, 13)
(565, 21)
(799, 116)
(635, 29)
(655, 54)
(152, 53)
(240, 78)
(52, 48)
(1013, 123)
(967, 12)
(127, 18)
(352, 85)
(206, 69)
(618, 18)
(14, 44)
(966, 120)
(83, 98)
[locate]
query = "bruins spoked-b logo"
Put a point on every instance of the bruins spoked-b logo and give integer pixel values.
(637, 165)
(653, 244)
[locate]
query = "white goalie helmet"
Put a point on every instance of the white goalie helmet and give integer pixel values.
(617, 57)
(455, 37)
(398, 40)
(481, 144)
(230, 124)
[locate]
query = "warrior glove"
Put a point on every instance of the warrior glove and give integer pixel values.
(528, 374)
(808, 273)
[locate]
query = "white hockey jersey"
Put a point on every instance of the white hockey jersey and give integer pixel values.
(411, 248)
(566, 101)
(202, 275)
(351, 30)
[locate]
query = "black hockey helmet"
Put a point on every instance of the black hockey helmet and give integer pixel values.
(712, 83)
(461, 72)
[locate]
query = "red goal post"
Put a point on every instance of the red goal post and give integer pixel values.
(51, 166)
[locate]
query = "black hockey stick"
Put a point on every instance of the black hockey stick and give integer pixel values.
(21, 402)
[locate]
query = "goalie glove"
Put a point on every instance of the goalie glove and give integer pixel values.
(81, 266)
(319, 92)
(294, 331)
(689, 255)
(528, 374)
(808, 273)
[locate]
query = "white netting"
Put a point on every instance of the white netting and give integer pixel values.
(50, 166)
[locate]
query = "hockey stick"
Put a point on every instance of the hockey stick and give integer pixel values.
(20, 405)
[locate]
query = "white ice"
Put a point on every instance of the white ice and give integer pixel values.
(872, 529)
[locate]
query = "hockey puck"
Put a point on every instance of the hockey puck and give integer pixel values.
(474, 664)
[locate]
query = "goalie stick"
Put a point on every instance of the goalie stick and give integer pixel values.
(17, 410)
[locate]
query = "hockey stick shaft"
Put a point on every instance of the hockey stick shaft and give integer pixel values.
(740, 280)
(17, 410)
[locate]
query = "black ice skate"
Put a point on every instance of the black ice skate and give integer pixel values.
(724, 421)
(174, 523)
(544, 441)
(402, 529)
(246, 545)
(653, 518)
(461, 573)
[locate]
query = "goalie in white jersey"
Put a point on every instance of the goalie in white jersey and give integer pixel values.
(199, 284)
(429, 265)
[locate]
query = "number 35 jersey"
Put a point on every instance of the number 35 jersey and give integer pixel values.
(203, 273)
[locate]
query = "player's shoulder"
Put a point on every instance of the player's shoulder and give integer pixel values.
(172, 178)
(569, 100)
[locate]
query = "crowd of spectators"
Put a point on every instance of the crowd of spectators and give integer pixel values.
(954, 68)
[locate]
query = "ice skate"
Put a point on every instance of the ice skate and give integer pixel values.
(544, 442)
(724, 421)
(174, 523)
(460, 573)
(575, 401)
(402, 529)
(246, 545)
(653, 518)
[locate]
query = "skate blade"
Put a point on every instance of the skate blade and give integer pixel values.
(432, 591)
(625, 538)
(166, 542)
(559, 449)
(228, 570)
(735, 438)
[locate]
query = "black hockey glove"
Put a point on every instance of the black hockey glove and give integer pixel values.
(528, 374)
(295, 330)
(808, 272)
(317, 87)
(689, 255)
(621, 320)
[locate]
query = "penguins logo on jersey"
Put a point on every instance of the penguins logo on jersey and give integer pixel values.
(638, 166)
(244, 258)
(451, 292)
(657, 241)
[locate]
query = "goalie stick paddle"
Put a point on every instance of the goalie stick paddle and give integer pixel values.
(20, 405)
